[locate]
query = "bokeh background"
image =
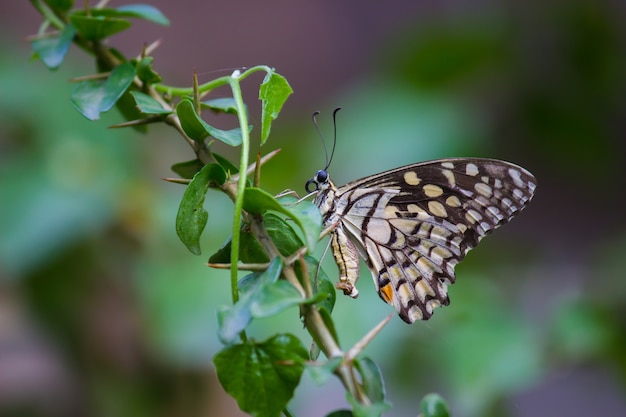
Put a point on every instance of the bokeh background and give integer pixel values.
(104, 313)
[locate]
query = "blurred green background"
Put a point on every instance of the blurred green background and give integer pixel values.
(104, 313)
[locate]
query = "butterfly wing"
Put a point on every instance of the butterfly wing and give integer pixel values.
(413, 224)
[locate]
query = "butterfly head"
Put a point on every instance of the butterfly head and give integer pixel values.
(319, 179)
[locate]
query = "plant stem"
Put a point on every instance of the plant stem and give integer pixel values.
(313, 321)
(48, 14)
(241, 185)
(208, 86)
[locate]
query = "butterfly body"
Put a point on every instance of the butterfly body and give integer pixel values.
(413, 224)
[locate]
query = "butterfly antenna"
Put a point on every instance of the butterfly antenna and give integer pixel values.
(334, 136)
(319, 133)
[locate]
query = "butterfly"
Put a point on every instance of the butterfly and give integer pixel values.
(412, 225)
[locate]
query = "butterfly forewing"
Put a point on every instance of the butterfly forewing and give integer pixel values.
(413, 224)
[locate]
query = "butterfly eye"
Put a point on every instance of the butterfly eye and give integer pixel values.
(321, 176)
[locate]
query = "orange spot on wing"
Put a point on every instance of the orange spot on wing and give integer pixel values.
(386, 293)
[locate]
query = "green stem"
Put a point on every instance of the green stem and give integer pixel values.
(241, 186)
(208, 86)
(48, 14)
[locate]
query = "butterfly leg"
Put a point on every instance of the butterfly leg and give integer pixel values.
(347, 259)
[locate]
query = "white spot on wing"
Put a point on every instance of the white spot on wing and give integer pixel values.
(410, 177)
(471, 169)
(517, 177)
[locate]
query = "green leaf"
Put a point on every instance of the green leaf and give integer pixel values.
(376, 409)
(192, 217)
(282, 233)
(226, 164)
(188, 169)
(139, 11)
(148, 105)
(221, 105)
(274, 298)
(372, 379)
(198, 129)
(145, 72)
(262, 377)
(305, 214)
(145, 12)
(320, 373)
(251, 251)
(328, 289)
(52, 50)
(433, 405)
(257, 201)
(273, 92)
(269, 276)
(60, 5)
(95, 28)
(232, 320)
(127, 106)
(93, 97)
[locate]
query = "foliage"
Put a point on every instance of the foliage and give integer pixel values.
(261, 376)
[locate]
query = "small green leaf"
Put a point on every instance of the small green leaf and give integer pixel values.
(320, 373)
(433, 405)
(226, 164)
(95, 28)
(275, 298)
(139, 11)
(198, 129)
(92, 97)
(192, 217)
(148, 105)
(257, 201)
(222, 255)
(145, 72)
(188, 169)
(376, 409)
(328, 288)
(372, 379)
(273, 92)
(282, 233)
(233, 320)
(60, 5)
(52, 50)
(270, 275)
(145, 12)
(251, 251)
(221, 105)
(262, 377)
(305, 214)
(127, 106)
